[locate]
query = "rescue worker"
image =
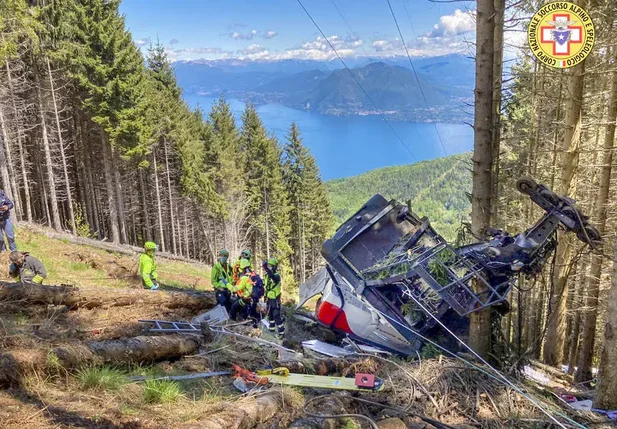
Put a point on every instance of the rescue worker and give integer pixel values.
(237, 271)
(272, 284)
(6, 226)
(242, 289)
(147, 267)
(28, 268)
(221, 278)
(249, 290)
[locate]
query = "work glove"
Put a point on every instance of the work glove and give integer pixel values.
(155, 286)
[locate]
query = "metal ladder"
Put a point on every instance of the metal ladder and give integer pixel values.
(166, 326)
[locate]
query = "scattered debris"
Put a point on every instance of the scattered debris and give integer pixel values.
(181, 377)
(326, 349)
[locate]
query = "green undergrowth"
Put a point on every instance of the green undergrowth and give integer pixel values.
(161, 391)
(101, 378)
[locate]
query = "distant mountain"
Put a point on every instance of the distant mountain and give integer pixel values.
(447, 83)
(437, 189)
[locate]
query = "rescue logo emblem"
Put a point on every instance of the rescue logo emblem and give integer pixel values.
(561, 34)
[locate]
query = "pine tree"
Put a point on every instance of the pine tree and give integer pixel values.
(310, 216)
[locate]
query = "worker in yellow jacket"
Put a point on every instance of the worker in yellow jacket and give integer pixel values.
(272, 283)
(147, 267)
(221, 279)
(249, 290)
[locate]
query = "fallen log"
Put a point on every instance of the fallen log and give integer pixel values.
(551, 371)
(247, 413)
(129, 350)
(124, 249)
(318, 366)
(104, 297)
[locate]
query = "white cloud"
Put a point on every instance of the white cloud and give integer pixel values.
(239, 36)
(252, 50)
(388, 45)
(270, 34)
(453, 25)
(196, 53)
(142, 42)
(174, 41)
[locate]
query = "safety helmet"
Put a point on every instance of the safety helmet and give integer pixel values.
(15, 256)
(246, 254)
(224, 252)
(149, 245)
(244, 264)
(273, 261)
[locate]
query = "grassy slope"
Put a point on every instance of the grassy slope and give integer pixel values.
(437, 189)
(67, 263)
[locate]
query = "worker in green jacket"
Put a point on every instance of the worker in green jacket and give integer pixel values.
(249, 290)
(237, 271)
(243, 290)
(272, 284)
(147, 267)
(27, 268)
(221, 278)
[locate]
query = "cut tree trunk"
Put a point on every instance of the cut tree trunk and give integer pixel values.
(248, 412)
(128, 350)
(103, 297)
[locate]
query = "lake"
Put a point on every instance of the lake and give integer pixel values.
(348, 146)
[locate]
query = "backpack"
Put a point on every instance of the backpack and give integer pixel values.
(258, 286)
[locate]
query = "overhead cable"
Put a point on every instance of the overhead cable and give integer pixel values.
(417, 80)
(358, 82)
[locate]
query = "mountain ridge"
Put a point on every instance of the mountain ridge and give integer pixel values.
(447, 83)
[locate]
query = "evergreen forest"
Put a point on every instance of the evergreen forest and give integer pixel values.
(97, 140)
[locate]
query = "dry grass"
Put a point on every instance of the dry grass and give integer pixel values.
(84, 266)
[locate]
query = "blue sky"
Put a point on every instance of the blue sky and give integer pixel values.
(280, 29)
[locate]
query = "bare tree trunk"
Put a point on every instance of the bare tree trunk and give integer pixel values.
(593, 286)
(9, 186)
(158, 201)
(20, 148)
(67, 182)
(109, 185)
(55, 213)
(606, 396)
(496, 121)
(144, 206)
(480, 325)
(556, 331)
(172, 210)
(115, 162)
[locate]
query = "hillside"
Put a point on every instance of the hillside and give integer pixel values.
(438, 189)
(83, 265)
(447, 83)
